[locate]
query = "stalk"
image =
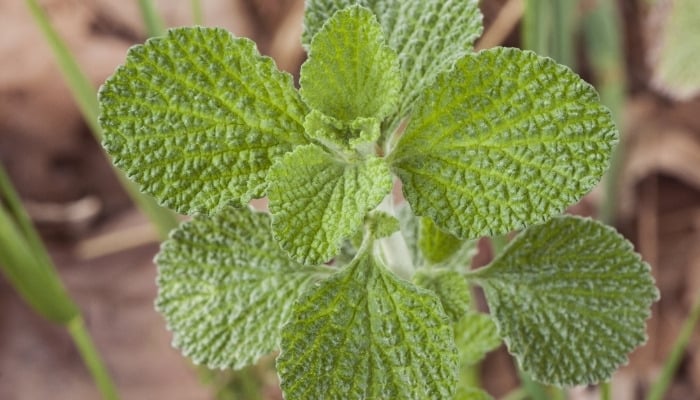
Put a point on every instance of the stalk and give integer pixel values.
(197, 14)
(659, 388)
(154, 23)
(86, 348)
(29, 269)
(85, 95)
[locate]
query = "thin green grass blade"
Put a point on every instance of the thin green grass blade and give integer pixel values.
(86, 97)
(549, 29)
(36, 282)
(86, 348)
(660, 386)
(197, 14)
(154, 23)
(603, 44)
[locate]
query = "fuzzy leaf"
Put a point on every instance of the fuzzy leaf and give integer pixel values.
(316, 201)
(226, 288)
(505, 139)
(428, 35)
(351, 73)
(197, 117)
(450, 287)
(570, 297)
(364, 334)
(475, 336)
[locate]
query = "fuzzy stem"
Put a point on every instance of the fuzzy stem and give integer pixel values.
(393, 249)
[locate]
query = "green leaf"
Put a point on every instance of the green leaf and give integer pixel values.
(364, 334)
(570, 297)
(475, 335)
(316, 201)
(504, 140)
(450, 287)
(351, 73)
(471, 393)
(381, 224)
(197, 118)
(226, 288)
(428, 35)
(442, 248)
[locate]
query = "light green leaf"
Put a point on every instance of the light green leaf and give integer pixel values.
(339, 135)
(475, 335)
(450, 287)
(351, 73)
(381, 224)
(570, 297)
(471, 393)
(428, 35)
(364, 334)
(316, 201)
(504, 140)
(197, 117)
(226, 288)
(444, 249)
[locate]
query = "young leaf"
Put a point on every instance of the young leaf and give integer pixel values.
(570, 297)
(316, 201)
(197, 117)
(351, 73)
(475, 336)
(428, 35)
(450, 287)
(442, 248)
(503, 140)
(226, 288)
(364, 334)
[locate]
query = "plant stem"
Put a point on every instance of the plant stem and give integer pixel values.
(154, 23)
(535, 390)
(516, 394)
(394, 249)
(197, 14)
(76, 328)
(659, 388)
(605, 390)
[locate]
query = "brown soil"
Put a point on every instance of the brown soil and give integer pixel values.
(70, 191)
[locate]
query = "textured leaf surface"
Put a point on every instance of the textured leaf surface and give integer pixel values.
(364, 334)
(351, 73)
(428, 35)
(505, 139)
(197, 117)
(317, 201)
(226, 288)
(475, 335)
(450, 287)
(570, 297)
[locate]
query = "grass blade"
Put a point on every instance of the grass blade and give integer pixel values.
(154, 23)
(85, 95)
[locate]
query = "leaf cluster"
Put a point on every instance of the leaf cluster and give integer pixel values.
(483, 143)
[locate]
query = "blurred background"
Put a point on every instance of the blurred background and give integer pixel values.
(642, 55)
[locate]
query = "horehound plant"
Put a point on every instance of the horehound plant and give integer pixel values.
(363, 298)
